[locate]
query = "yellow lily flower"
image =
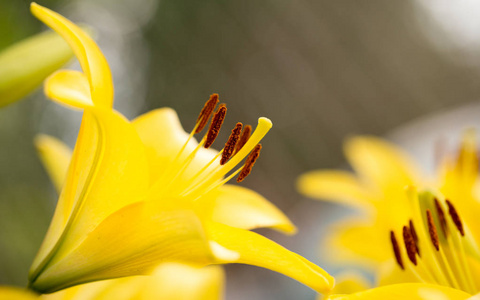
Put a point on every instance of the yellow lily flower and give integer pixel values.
(27, 63)
(435, 247)
(438, 246)
(378, 192)
(144, 192)
(438, 250)
(168, 281)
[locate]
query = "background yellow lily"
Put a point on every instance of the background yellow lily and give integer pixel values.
(378, 191)
(143, 192)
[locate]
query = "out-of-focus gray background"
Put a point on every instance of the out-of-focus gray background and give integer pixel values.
(321, 70)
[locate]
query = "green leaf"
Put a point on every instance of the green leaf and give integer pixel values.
(24, 65)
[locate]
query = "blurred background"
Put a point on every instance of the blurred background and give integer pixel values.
(321, 70)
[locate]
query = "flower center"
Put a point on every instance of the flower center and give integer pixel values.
(444, 257)
(240, 144)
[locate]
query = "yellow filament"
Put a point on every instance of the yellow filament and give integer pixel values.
(221, 182)
(422, 266)
(171, 166)
(194, 177)
(448, 269)
(412, 268)
(468, 271)
(263, 127)
(184, 165)
(461, 262)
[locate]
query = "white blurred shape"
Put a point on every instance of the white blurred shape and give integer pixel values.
(451, 25)
(421, 137)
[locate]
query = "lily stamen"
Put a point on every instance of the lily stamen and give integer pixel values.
(223, 152)
(399, 260)
(251, 159)
(414, 235)
(206, 141)
(396, 250)
(447, 264)
(253, 156)
(456, 242)
(220, 183)
(410, 245)
(214, 159)
(181, 170)
(202, 120)
(440, 256)
(231, 143)
(173, 180)
(205, 113)
(215, 126)
(432, 230)
(243, 138)
(455, 217)
(441, 217)
(200, 185)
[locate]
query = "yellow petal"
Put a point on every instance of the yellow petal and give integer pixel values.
(89, 291)
(459, 177)
(386, 171)
(125, 288)
(359, 242)
(108, 171)
(336, 186)
(55, 156)
(390, 273)
(410, 291)
(222, 254)
(163, 136)
(350, 282)
(173, 281)
(257, 250)
(169, 281)
(459, 174)
(380, 163)
(69, 88)
(467, 163)
(243, 208)
(91, 58)
(475, 297)
(131, 241)
(27, 63)
(10, 293)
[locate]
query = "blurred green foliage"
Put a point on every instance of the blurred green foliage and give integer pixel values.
(27, 63)
(16, 22)
(25, 196)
